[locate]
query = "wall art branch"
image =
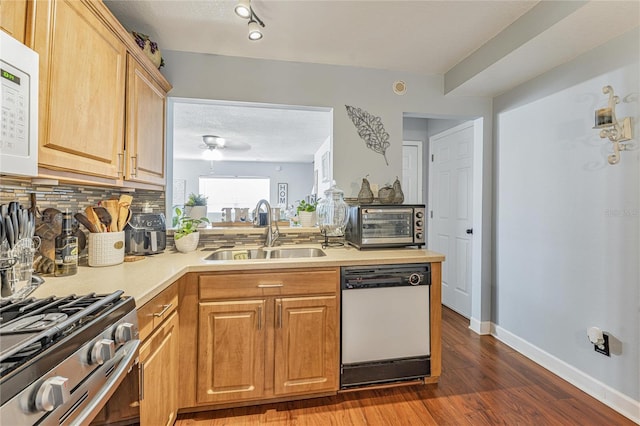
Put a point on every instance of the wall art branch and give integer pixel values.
(370, 129)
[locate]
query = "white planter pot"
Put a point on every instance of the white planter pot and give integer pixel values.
(196, 212)
(187, 243)
(307, 219)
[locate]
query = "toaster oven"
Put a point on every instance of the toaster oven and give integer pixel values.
(386, 225)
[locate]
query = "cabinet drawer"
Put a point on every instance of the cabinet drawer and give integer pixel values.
(268, 283)
(157, 310)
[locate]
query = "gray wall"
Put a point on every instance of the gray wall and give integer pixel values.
(254, 80)
(567, 225)
(438, 125)
(216, 77)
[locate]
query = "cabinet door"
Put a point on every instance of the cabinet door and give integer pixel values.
(159, 369)
(306, 345)
(145, 126)
(82, 83)
(13, 18)
(231, 351)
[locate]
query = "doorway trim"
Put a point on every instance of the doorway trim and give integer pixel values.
(475, 322)
(420, 169)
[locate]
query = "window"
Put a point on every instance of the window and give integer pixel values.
(239, 192)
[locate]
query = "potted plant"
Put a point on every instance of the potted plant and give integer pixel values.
(307, 213)
(196, 206)
(186, 235)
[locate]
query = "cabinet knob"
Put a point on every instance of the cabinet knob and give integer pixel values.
(469, 231)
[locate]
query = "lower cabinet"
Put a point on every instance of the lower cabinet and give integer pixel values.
(231, 351)
(306, 349)
(263, 335)
(159, 375)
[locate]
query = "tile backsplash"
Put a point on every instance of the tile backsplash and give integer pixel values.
(74, 197)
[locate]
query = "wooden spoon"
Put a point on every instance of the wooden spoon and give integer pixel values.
(86, 222)
(104, 216)
(112, 208)
(94, 219)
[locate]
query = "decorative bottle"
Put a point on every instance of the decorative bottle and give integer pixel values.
(66, 249)
(333, 212)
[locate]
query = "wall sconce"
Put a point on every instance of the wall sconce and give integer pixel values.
(617, 132)
(244, 10)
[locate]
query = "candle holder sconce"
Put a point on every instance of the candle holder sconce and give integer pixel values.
(616, 131)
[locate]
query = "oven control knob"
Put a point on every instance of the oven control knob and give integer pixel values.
(419, 235)
(52, 393)
(418, 223)
(415, 278)
(124, 332)
(102, 351)
(419, 215)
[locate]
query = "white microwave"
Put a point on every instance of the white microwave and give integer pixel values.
(19, 115)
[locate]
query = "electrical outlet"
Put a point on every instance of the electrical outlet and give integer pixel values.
(604, 351)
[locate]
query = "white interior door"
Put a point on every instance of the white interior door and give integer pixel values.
(412, 172)
(450, 205)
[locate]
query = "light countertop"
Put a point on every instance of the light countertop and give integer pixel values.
(146, 278)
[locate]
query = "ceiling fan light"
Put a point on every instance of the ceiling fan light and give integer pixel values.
(243, 9)
(254, 31)
(213, 140)
(212, 154)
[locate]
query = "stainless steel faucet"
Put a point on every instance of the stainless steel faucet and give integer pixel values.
(272, 235)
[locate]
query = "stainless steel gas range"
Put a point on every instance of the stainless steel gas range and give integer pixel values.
(61, 358)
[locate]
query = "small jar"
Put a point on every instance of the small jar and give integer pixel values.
(333, 212)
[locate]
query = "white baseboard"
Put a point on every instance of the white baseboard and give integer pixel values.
(602, 392)
(480, 327)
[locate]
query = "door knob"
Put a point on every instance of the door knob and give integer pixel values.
(470, 231)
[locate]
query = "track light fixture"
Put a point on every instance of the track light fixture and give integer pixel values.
(244, 10)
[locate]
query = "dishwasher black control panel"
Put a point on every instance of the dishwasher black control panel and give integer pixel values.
(361, 277)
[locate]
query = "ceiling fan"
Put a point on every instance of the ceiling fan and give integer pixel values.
(214, 145)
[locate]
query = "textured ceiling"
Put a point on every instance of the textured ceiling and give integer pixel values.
(252, 132)
(426, 37)
(516, 41)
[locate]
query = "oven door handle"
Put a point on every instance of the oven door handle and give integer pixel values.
(130, 354)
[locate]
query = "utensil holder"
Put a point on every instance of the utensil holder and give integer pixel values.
(106, 248)
(16, 268)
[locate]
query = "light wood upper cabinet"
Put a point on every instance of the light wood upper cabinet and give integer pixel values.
(102, 102)
(231, 351)
(306, 348)
(82, 89)
(159, 372)
(13, 18)
(145, 126)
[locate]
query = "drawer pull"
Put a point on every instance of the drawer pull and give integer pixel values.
(165, 308)
(259, 317)
(270, 285)
(279, 315)
(141, 381)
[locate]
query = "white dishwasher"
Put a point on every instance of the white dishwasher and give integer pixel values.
(385, 324)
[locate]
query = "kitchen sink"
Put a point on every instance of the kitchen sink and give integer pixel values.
(266, 253)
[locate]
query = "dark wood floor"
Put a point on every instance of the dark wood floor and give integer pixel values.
(484, 382)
